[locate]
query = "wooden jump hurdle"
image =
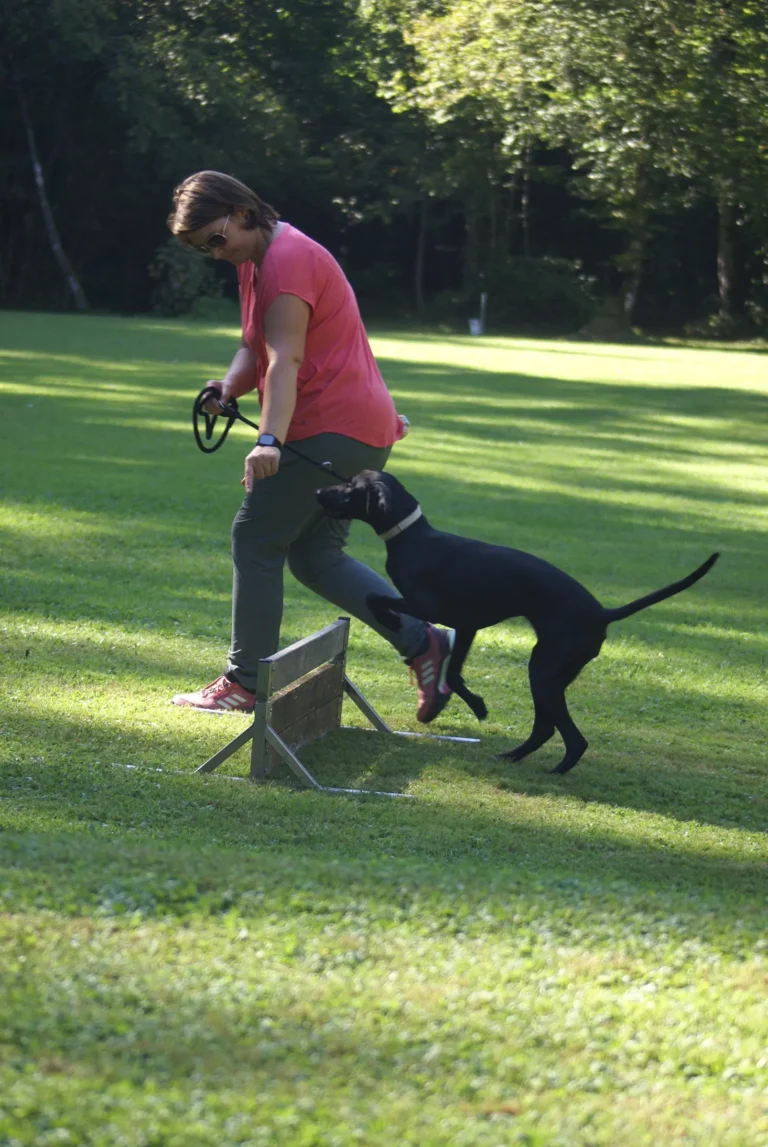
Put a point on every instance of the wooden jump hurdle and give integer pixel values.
(299, 692)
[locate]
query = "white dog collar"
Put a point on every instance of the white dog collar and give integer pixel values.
(401, 526)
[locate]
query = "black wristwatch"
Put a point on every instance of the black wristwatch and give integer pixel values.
(269, 440)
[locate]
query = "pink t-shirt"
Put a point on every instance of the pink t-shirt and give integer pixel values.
(340, 389)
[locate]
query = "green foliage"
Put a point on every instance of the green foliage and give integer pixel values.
(524, 294)
(381, 282)
(184, 280)
(215, 309)
(189, 960)
(658, 103)
(757, 304)
(727, 327)
(369, 121)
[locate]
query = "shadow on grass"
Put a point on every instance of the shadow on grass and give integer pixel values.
(158, 515)
(607, 422)
(161, 817)
(568, 344)
(630, 711)
(644, 422)
(84, 779)
(148, 574)
(270, 964)
(115, 341)
(629, 418)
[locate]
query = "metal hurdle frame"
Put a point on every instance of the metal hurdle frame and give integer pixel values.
(299, 693)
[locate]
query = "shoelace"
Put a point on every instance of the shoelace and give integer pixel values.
(215, 686)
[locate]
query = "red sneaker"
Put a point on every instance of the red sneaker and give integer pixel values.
(221, 696)
(431, 668)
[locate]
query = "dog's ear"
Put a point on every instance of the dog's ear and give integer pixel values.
(381, 497)
(376, 500)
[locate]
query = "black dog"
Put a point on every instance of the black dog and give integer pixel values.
(468, 585)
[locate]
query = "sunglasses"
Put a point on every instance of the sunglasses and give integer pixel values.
(214, 242)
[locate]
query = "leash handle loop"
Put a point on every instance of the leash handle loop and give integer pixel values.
(231, 410)
(209, 420)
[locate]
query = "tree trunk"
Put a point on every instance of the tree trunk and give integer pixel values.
(418, 266)
(493, 221)
(633, 260)
(525, 203)
(50, 225)
(726, 256)
(510, 218)
(471, 246)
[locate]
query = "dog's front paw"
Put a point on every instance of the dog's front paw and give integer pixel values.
(478, 706)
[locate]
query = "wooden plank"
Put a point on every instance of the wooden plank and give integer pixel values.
(307, 725)
(307, 709)
(312, 692)
(312, 725)
(303, 656)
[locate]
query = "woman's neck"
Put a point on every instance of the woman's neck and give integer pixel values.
(266, 236)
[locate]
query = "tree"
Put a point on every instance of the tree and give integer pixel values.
(128, 96)
(29, 50)
(466, 70)
(658, 102)
(722, 146)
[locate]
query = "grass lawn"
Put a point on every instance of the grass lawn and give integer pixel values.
(509, 958)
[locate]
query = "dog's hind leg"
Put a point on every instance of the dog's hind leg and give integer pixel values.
(454, 679)
(551, 671)
(543, 723)
(566, 669)
(572, 660)
(575, 741)
(543, 729)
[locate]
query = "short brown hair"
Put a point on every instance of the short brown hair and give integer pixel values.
(207, 195)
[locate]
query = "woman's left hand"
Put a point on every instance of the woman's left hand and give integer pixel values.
(262, 462)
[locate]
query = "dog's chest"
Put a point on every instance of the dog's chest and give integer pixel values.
(413, 569)
(444, 590)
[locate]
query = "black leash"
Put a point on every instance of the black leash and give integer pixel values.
(233, 414)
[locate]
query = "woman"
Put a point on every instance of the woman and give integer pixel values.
(305, 349)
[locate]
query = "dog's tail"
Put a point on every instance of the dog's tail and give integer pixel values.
(660, 594)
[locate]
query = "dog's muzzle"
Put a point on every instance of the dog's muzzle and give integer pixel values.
(335, 503)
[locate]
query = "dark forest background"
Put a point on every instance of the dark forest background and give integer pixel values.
(580, 162)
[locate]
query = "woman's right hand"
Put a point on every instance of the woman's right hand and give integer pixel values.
(213, 405)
